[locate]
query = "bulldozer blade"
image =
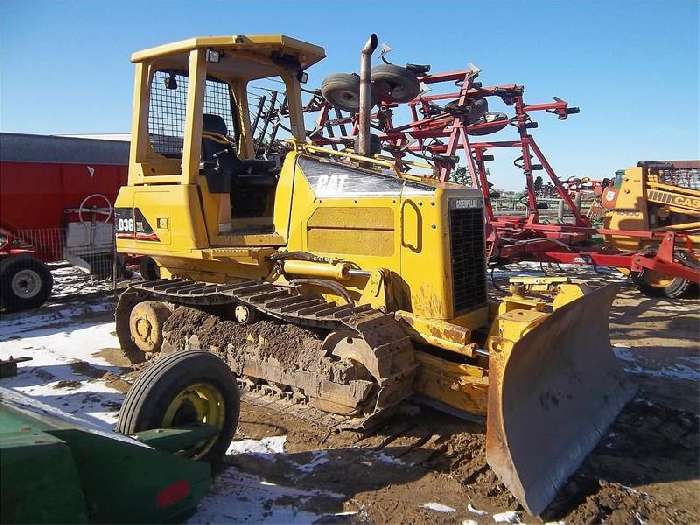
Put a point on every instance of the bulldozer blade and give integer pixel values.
(552, 396)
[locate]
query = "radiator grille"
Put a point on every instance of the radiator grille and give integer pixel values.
(467, 252)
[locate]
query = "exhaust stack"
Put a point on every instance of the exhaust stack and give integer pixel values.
(363, 135)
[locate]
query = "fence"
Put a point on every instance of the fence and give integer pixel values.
(80, 256)
(555, 208)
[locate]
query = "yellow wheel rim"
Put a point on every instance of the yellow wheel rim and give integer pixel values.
(198, 403)
(657, 280)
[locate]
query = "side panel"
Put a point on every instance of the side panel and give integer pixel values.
(379, 221)
(425, 256)
(160, 220)
(336, 222)
(353, 230)
(330, 218)
(630, 211)
(283, 197)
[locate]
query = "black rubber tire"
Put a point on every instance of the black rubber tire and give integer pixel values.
(396, 82)
(342, 90)
(148, 398)
(149, 269)
(677, 289)
(693, 291)
(11, 266)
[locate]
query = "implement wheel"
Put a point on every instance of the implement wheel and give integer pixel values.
(25, 282)
(185, 389)
(395, 83)
(342, 90)
(655, 284)
(146, 324)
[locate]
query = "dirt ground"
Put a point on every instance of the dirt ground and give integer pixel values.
(422, 466)
(645, 470)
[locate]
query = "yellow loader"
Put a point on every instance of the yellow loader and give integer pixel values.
(378, 275)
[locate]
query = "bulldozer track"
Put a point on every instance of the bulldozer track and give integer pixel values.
(302, 411)
(282, 302)
(392, 352)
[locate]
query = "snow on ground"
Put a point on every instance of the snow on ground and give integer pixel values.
(242, 498)
(320, 457)
(68, 374)
(25, 324)
(476, 511)
(687, 367)
(70, 281)
(263, 447)
(437, 507)
(509, 516)
(574, 271)
(63, 372)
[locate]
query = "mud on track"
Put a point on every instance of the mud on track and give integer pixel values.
(292, 346)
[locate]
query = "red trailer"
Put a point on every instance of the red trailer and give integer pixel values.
(56, 196)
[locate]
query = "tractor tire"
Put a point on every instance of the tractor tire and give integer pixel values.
(395, 82)
(342, 90)
(25, 282)
(675, 289)
(161, 398)
(149, 269)
(649, 284)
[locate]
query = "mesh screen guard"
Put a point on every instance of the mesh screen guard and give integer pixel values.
(167, 109)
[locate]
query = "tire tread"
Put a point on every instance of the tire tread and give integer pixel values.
(162, 376)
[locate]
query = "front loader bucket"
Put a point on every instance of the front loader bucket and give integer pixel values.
(552, 396)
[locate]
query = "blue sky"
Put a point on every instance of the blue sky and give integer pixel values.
(632, 66)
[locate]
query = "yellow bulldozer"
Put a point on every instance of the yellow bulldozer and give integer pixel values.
(384, 270)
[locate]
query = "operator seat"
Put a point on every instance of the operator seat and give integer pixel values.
(249, 182)
(222, 158)
(213, 124)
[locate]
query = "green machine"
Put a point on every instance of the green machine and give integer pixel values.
(55, 468)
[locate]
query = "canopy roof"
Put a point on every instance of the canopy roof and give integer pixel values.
(264, 45)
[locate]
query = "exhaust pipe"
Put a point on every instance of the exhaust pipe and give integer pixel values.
(363, 136)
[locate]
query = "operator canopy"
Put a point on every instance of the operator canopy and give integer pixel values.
(253, 56)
